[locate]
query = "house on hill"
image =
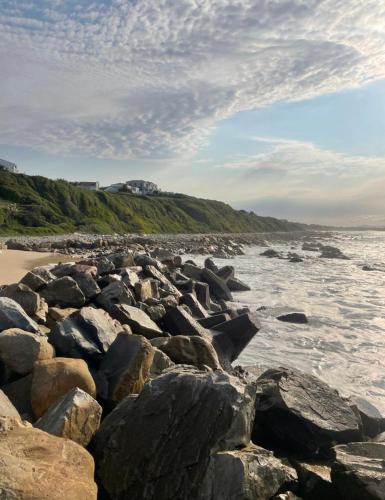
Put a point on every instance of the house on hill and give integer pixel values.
(92, 186)
(10, 167)
(144, 187)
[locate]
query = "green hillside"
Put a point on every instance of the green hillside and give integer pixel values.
(37, 205)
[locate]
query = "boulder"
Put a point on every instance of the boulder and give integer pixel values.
(300, 413)
(137, 319)
(130, 276)
(210, 264)
(53, 378)
(271, 253)
(165, 282)
(233, 336)
(155, 312)
(75, 416)
(213, 321)
(19, 350)
(373, 423)
(191, 350)
(12, 315)
(192, 271)
(37, 466)
(226, 272)
(158, 446)
(87, 334)
(329, 252)
(247, 474)
(147, 289)
(6, 407)
(38, 278)
(87, 284)
(126, 366)
(29, 300)
(19, 393)
(202, 292)
(359, 471)
(63, 292)
(294, 317)
(115, 293)
(179, 322)
(122, 259)
(218, 287)
(196, 308)
(160, 363)
(236, 285)
(315, 480)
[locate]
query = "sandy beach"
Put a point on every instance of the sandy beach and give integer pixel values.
(15, 263)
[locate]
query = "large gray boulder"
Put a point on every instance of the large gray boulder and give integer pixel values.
(29, 300)
(38, 278)
(359, 471)
(87, 284)
(12, 315)
(137, 320)
(86, 334)
(166, 284)
(76, 416)
(300, 413)
(115, 293)
(63, 292)
(126, 366)
(160, 444)
(19, 350)
(218, 286)
(160, 363)
(178, 321)
(247, 474)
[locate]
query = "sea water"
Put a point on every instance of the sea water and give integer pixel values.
(344, 340)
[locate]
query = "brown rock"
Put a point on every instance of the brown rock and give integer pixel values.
(76, 416)
(37, 466)
(191, 350)
(53, 378)
(6, 407)
(19, 350)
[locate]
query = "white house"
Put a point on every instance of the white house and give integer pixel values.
(144, 187)
(7, 165)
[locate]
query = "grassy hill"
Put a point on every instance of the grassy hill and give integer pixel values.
(37, 205)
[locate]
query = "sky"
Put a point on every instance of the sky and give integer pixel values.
(276, 106)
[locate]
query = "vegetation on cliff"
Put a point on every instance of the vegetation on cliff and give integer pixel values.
(37, 205)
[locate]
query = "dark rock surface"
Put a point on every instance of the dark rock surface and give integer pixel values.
(294, 317)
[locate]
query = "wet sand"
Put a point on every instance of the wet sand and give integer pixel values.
(14, 264)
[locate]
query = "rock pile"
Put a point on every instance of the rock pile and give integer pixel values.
(121, 364)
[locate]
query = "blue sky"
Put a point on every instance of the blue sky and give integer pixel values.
(273, 106)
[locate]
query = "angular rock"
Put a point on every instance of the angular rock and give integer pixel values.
(19, 350)
(233, 336)
(87, 285)
(294, 317)
(76, 416)
(19, 393)
(156, 312)
(315, 480)
(271, 253)
(137, 319)
(53, 378)
(63, 292)
(236, 285)
(146, 289)
(87, 334)
(185, 415)
(329, 252)
(12, 315)
(218, 287)
(191, 350)
(6, 407)
(115, 293)
(210, 264)
(122, 259)
(38, 278)
(160, 363)
(29, 300)
(202, 292)
(126, 365)
(192, 271)
(165, 282)
(359, 471)
(37, 466)
(130, 276)
(247, 474)
(226, 272)
(214, 320)
(373, 422)
(196, 308)
(179, 322)
(298, 412)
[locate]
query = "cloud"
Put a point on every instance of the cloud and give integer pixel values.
(143, 79)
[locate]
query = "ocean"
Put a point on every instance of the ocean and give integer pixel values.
(344, 341)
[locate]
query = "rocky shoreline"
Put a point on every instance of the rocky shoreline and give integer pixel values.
(118, 382)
